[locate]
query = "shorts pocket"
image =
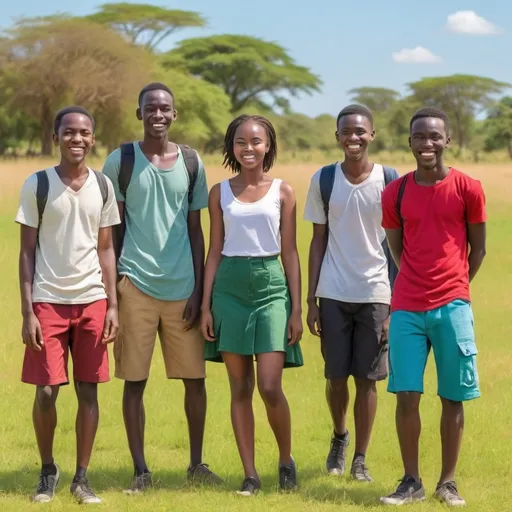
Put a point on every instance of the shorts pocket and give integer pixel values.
(468, 369)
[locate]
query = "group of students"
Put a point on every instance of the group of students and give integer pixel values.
(119, 256)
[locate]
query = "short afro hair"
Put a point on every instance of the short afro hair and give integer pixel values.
(355, 110)
(74, 109)
(154, 86)
(431, 112)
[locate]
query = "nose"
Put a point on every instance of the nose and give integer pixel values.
(353, 136)
(158, 114)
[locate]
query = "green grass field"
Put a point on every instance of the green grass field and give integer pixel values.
(485, 464)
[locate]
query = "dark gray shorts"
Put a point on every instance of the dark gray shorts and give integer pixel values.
(351, 339)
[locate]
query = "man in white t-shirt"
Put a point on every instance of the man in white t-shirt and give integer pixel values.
(348, 273)
(68, 292)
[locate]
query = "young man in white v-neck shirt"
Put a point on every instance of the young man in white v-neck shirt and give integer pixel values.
(68, 293)
(349, 288)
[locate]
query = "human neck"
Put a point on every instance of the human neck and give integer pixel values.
(155, 146)
(431, 176)
(66, 169)
(252, 177)
(357, 167)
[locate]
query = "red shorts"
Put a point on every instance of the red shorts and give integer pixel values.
(78, 327)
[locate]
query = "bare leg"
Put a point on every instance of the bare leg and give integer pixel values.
(337, 395)
(365, 409)
(452, 426)
(195, 410)
(408, 426)
(44, 417)
(241, 380)
(86, 426)
(134, 421)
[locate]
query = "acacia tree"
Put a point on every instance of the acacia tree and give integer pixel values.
(462, 97)
(498, 126)
(377, 99)
(246, 68)
(145, 24)
(67, 61)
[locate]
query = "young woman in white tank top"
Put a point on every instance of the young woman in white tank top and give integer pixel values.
(251, 308)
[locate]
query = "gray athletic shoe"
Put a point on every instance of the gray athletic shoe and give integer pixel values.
(250, 487)
(140, 483)
(447, 493)
(82, 492)
(46, 486)
(359, 471)
(288, 476)
(408, 491)
(335, 463)
(202, 474)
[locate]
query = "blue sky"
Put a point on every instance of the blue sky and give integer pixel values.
(349, 44)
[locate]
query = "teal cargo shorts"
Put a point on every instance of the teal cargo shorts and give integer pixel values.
(449, 330)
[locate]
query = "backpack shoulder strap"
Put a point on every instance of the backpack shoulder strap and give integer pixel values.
(192, 166)
(390, 174)
(102, 182)
(401, 191)
(43, 187)
(327, 174)
(126, 166)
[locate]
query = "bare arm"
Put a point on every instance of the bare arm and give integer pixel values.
(31, 330)
(290, 259)
(118, 231)
(317, 250)
(107, 258)
(476, 239)
(212, 260)
(395, 243)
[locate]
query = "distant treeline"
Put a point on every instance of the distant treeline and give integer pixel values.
(101, 61)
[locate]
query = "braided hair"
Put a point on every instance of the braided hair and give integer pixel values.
(230, 160)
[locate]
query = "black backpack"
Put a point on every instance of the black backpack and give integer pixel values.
(43, 187)
(327, 175)
(128, 160)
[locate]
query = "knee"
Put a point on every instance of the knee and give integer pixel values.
(241, 389)
(337, 386)
(194, 386)
(365, 386)
(45, 397)
(408, 403)
(270, 392)
(452, 407)
(134, 389)
(87, 393)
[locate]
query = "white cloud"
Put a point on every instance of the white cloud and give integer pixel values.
(416, 55)
(468, 22)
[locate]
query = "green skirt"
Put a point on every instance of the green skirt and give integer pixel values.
(251, 306)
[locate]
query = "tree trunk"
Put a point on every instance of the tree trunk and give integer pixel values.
(46, 130)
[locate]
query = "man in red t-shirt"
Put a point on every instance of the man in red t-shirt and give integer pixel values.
(430, 216)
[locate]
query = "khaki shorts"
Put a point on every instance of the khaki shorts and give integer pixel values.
(141, 317)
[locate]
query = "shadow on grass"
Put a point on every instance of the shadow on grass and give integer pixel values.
(314, 486)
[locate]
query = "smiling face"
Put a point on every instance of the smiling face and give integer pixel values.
(157, 113)
(354, 134)
(250, 145)
(75, 137)
(428, 140)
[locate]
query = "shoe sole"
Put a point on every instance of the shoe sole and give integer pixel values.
(407, 501)
(47, 498)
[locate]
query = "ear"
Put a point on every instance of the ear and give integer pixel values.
(336, 134)
(174, 114)
(410, 142)
(138, 113)
(93, 140)
(448, 141)
(55, 138)
(372, 135)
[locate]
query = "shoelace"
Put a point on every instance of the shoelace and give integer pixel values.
(288, 471)
(451, 487)
(84, 486)
(44, 484)
(249, 484)
(404, 485)
(337, 446)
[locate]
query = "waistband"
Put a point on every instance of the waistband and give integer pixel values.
(251, 260)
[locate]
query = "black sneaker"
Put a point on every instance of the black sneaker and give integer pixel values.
(250, 487)
(140, 483)
(447, 493)
(335, 463)
(82, 492)
(202, 474)
(46, 485)
(408, 491)
(288, 476)
(359, 471)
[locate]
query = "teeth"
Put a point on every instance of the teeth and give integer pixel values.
(427, 153)
(158, 125)
(354, 146)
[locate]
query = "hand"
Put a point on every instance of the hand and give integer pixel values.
(384, 338)
(313, 319)
(207, 325)
(111, 326)
(295, 328)
(192, 311)
(31, 332)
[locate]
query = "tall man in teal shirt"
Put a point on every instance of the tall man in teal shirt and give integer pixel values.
(161, 259)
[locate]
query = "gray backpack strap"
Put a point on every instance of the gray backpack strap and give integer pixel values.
(126, 166)
(43, 187)
(327, 174)
(390, 174)
(192, 166)
(102, 182)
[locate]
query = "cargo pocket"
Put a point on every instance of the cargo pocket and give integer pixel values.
(468, 369)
